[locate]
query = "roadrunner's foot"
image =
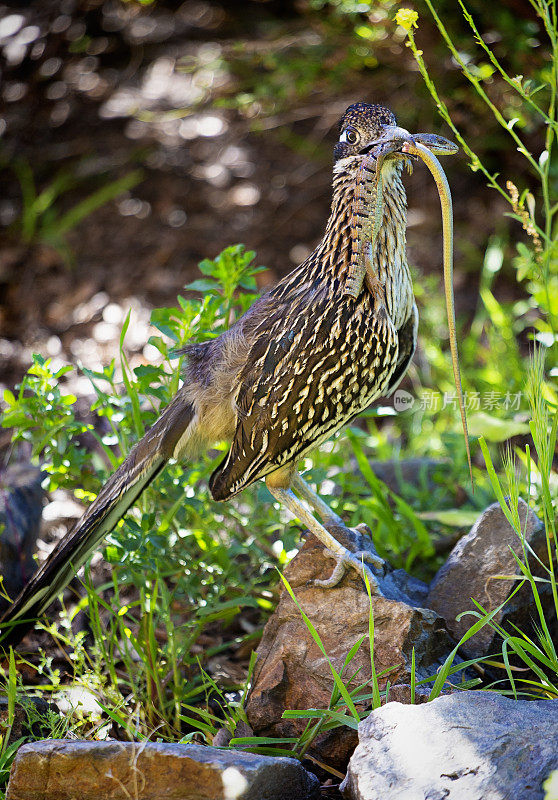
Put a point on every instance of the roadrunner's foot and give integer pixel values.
(348, 552)
(358, 540)
(352, 539)
(358, 561)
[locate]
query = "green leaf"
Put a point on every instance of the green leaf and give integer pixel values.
(99, 198)
(454, 517)
(495, 429)
(202, 285)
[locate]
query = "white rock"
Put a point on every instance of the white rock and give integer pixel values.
(466, 746)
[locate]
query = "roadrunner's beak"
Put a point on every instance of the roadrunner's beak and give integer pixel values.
(390, 141)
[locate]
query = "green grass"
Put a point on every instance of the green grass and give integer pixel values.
(525, 473)
(43, 221)
(177, 549)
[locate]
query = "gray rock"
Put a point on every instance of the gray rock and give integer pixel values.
(470, 572)
(399, 585)
(57, 769)
(30, 717)
(463, 746)
(21, 506)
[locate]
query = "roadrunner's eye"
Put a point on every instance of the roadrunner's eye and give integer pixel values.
(350, 136)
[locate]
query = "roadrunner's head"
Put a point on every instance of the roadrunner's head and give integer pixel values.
(365, 127)
(360, 126)
(369, 129)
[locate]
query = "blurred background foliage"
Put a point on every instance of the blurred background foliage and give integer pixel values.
(140, 139)
(230, 111)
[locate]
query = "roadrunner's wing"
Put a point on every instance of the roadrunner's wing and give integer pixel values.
(302, 385)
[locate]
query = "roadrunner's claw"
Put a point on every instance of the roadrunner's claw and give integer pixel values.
(372, 558)
(345, 559)
(353, 540)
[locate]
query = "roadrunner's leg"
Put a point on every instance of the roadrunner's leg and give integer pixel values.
(333, 521)
(281, 484)
(329, 517)
(349, 537)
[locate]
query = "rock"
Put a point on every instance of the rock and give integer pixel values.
(401, 693)
(396, 473)
(58, 769)
(399, 585)
(463, 746)
(21, 505)
(470, 571)
(30, 717)
(291, 671)
(223, 736)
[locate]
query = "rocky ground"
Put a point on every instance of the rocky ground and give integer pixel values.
(462, 745)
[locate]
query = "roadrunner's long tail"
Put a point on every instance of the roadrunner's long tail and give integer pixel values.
(144, 462)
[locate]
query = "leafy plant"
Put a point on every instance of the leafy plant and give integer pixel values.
(534, 102)
(8, 749)
(539, 655)
(177, 549)
(537, 259)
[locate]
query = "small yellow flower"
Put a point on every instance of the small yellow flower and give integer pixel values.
(407, 19)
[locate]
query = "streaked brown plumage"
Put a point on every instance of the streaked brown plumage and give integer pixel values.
(302, 362)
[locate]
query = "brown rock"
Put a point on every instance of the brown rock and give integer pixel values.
(57, 769)
(223, 736)
(401, 693)
(470, 572)
(292, 672)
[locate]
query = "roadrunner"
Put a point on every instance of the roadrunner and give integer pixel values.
(303, 361)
